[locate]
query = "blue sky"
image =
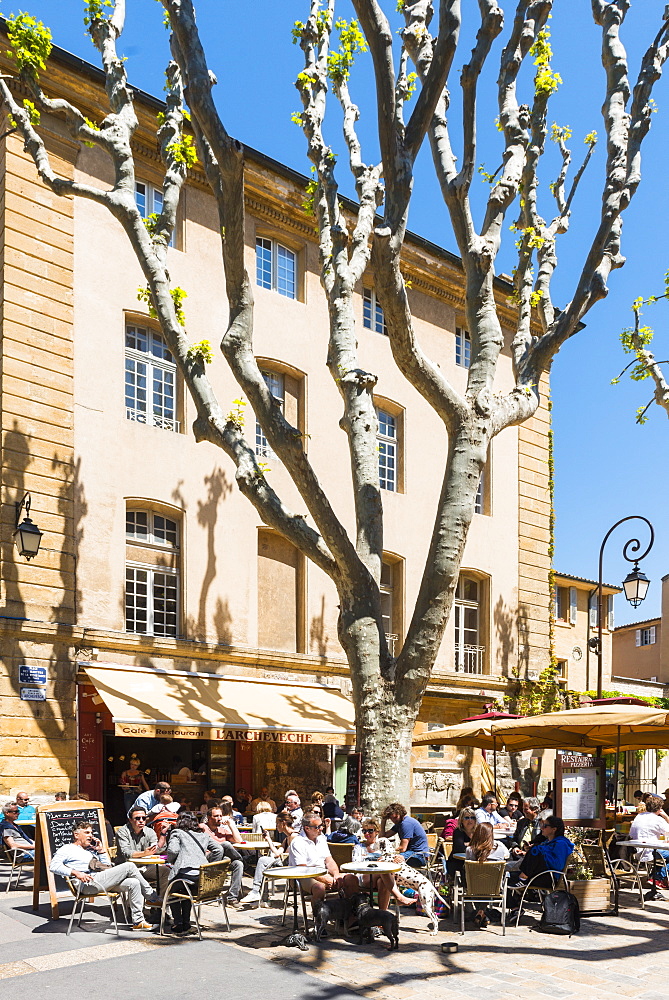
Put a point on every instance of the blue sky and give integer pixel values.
(606, 466)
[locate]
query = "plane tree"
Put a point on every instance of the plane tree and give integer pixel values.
(412, 94)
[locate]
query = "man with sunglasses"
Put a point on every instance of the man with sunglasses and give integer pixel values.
(12, 836)
(138, 840)
(312, 849)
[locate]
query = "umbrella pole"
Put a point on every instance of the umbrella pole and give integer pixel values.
(615, 772)
(494, 762)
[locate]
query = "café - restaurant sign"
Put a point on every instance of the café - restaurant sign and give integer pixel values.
(175, 732)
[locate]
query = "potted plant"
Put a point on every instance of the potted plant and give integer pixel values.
(593, 894)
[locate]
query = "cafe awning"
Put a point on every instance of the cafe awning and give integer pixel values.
(186, 705)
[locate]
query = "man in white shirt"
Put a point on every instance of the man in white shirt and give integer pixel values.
(651, 826)
(73, 861)
(312, 850)
(487, 813)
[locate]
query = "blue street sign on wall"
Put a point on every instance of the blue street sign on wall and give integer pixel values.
(32, 675)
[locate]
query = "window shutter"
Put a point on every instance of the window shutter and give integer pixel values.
(652, 633)
(593, 611)
(637, 637)
(556, 604)
(573, 605)
(610, 613)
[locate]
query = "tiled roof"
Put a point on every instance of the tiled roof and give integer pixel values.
(583, 579)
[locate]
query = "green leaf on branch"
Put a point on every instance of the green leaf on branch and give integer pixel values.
(546, 82)
(144, 295)
(560, 133)
(183, 151)
(33, 113)
(591, 138)
(201, 353)
(94, 10)
(351, 41)
(30, 43)
(236, 414)
(178, 296)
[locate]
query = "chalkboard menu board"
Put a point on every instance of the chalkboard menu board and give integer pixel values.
(353, 762)
(54, 826)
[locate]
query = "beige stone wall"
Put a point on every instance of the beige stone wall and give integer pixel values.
(534, 561)
(644, 662)
(37, 749)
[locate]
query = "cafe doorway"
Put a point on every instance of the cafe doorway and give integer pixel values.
(190, 766)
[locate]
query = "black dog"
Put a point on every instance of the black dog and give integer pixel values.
(369, 917)
(332, 908)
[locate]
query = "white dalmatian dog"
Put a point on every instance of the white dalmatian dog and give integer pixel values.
(411, 878)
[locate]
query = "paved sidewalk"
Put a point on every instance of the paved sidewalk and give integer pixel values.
(628, 955)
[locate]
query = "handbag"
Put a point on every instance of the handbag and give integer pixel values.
(95, 865)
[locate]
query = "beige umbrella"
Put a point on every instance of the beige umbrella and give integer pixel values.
(611, 727)
(463, 734)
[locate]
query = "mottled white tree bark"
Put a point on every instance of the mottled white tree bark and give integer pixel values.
(387, 690)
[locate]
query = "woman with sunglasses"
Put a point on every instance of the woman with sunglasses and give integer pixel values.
(370, 850)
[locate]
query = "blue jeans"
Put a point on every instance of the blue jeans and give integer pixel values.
(414, 855)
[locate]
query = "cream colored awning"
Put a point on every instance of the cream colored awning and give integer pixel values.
(183, 705)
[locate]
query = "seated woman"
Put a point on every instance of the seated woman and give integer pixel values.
(451, 824)
(462, 835)
(264, 818)
(550, 855)
(348, 832)
(228, 826)
(482, 848)
(370, 850)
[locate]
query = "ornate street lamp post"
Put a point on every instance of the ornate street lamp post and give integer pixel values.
(635, 583)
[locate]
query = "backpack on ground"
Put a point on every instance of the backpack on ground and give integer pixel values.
(560, 913)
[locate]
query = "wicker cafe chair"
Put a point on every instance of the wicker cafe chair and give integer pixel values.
(342, 854)
(542, 890)
(212, 887)
(112, 897)
(253, 838)
(14, 856)
(486, 883)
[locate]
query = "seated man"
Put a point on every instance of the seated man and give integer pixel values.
(13, 836)
(413, 839)
(26, 811)
(650, 825)
(147, 800)
(312, 849)
(73, 861)
(487, 812)
(528, 831)
(138, 840)
(213, 825)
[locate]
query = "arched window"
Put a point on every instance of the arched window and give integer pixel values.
(150, 379)
(468, 609)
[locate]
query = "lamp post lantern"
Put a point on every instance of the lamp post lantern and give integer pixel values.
(27, 535)
(635, 583)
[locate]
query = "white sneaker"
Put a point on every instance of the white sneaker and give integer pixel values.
(251, 897)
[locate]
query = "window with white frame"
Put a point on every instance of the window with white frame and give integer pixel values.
(149, 201)
(388, 450)
(391, 602)
(276, 267)
(469, 652)
(463, 348)
(150, 379)
(372, 313)
(275, 384)
(645, 636)
(151, 573)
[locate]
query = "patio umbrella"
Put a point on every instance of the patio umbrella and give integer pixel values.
(610, 727)
(472, 732)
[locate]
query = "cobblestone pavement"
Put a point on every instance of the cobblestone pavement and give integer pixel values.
(628, 954)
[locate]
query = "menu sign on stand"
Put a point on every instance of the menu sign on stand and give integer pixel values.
(53, 829)
(580, 790)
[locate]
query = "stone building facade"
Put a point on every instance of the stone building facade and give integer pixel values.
(152, 565)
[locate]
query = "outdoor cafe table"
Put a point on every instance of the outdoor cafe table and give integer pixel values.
(296, 873)
(649, 845)
(371, 868)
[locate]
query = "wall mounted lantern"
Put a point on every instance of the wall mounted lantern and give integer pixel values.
(27, 535)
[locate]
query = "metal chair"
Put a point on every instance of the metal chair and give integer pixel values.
(112, 897)
(485, 883)
(212, 887)
(15, 856)
(555, 877)
(627, 873)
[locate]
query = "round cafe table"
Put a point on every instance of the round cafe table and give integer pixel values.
(297, 873)
(371, 868)
(155, 859)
